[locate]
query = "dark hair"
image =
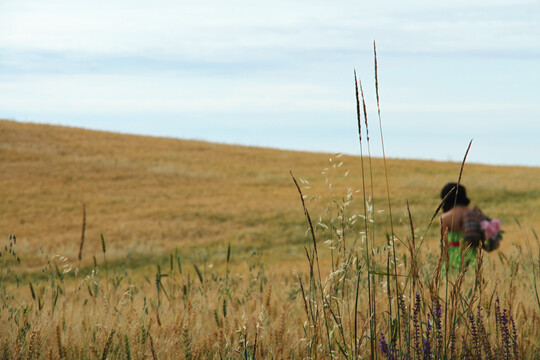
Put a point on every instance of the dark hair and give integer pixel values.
(448, 193)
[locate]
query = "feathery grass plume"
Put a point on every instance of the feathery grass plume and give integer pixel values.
(82, 234)
(312, 231)
(108, 344)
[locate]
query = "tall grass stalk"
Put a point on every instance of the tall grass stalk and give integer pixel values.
(392, 239)
(372, 202)
(371, 300)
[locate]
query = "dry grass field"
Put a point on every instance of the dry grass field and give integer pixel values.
(204, 246)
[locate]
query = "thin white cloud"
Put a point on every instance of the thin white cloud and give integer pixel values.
(229, 29)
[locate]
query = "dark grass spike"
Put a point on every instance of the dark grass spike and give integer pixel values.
(127, 347)
(104, 249)
(199, 274)
(152, 348)
(358, 111)
(306, 212)
(108, 345)
(303, 296)
(413, 272)
(82, 234)
(365, 111)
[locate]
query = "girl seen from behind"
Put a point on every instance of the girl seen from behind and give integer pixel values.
(467, 228)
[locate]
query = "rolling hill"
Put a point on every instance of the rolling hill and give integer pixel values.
(150, 196)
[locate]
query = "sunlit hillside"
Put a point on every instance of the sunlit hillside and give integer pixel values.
(149, 196)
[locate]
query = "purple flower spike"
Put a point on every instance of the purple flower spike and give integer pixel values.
(385, 349)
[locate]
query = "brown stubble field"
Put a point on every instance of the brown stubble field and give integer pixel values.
(169, 210)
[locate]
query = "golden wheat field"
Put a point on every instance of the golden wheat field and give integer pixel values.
(130, 247)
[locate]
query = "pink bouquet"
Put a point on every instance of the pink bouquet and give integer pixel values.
(491, 228)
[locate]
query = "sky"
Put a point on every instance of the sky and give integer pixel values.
(280, 74)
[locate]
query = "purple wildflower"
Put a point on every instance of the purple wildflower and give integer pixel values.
(385, 349)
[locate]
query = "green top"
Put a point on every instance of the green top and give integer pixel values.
(454, 252)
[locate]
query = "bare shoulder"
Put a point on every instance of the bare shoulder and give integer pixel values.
(453, 219)
(447, 217)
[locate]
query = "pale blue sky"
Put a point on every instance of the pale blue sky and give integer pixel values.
(280, 73)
